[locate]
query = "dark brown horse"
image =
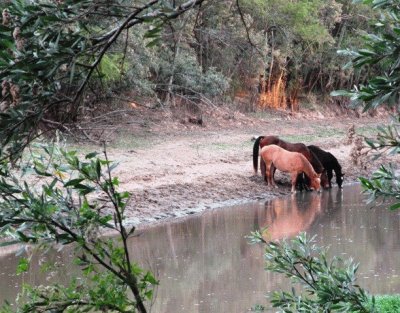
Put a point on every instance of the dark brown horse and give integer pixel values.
(263, 141)
(330, 163)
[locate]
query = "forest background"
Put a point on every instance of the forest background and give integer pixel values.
(248, 55)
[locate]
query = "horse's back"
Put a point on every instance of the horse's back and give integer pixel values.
(269, 140)
(270, 150)
(327, 159)
(283, 159)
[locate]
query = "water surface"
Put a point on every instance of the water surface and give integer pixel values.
(205, 264)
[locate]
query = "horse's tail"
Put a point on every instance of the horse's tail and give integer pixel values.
(256, 147)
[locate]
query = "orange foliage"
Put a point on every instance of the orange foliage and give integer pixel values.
(275, 96)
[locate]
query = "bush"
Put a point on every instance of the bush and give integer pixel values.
(326, 285)
(387, 303)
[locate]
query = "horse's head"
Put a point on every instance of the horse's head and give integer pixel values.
(316, 183)
(339, 179)
(324, 179)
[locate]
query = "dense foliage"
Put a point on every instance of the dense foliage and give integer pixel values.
(381, 47)
(57, 55)
(51, 52)
(63, 207)
(387, 303)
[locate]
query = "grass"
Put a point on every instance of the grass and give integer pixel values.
(124, 140)
(266, 115)
(367, 131)
(133, 142)
(318, 133)
(387, 303)
(216, 146)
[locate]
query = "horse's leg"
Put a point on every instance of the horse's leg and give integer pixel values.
(266, 172)
(270, 173)
(273, 170)
(300, 182)
(263, 169)
(329, 172)
(294, 176)
(304, 182)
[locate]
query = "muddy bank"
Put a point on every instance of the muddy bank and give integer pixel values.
(190, 169)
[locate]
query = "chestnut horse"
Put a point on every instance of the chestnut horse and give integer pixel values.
(262, 141)
(330, 163)
(286, 161)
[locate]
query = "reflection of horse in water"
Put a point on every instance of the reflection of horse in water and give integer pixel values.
(287, 217)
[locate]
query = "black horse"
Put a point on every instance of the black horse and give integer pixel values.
(330, 163)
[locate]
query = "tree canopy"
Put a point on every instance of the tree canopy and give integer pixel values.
(57, 55)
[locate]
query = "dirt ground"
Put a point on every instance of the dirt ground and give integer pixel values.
(174, 167)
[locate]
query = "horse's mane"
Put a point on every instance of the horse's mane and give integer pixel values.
(316, 164)
(308, 168)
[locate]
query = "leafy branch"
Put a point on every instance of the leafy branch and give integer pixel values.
(51, 51)
(327, 286)
(64, 209)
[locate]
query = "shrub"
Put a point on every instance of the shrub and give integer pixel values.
(326, 285)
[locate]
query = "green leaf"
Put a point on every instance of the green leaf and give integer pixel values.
(84, 189)
(153, 42)
(23, 266)
(150, 278)
(91, 155)
(344, 93)
(72, 73)
(73, 182)
(395, 206)
(9, 243)
(98, 168)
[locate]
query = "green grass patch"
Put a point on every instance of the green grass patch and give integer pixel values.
(367, 131)
(224, 146)
(387, 303)
(320, 132)
(128, 142)
(124, 140)
(213, 146)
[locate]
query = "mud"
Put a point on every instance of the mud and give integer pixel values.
(173, 168)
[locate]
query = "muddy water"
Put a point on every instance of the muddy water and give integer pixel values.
(205, 263)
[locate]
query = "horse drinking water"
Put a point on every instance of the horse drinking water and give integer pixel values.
(330, 163)
(286, 161)
(263, 141)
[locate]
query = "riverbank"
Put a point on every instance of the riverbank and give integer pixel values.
(173, 168)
